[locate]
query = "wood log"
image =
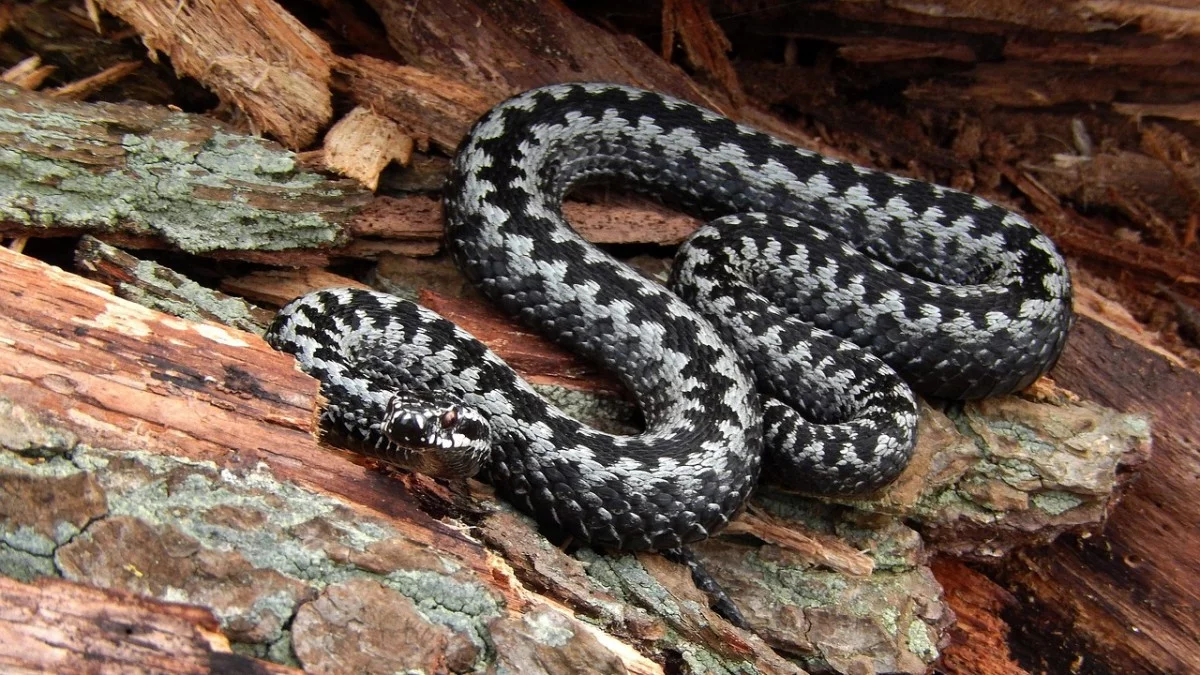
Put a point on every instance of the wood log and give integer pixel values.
(148, 171)
(170, 496)
(171, 408)
(55, 626)
(152, 285)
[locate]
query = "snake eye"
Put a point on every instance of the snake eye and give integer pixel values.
(449, 418)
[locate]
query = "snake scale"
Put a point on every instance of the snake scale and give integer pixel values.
(779, 345)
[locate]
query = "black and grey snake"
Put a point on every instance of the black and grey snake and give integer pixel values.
(963, 298)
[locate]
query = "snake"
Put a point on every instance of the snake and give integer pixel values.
(795, 328)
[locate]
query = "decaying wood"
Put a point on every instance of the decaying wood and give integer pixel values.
(362, 143)
(254, 54)
(825, 550)
(152, 285)
(1007, 113)
(981, 637)
(71, 373)
(434, 109)
(704, 44)
(29, 73)
(276, 288)
(53, 626)
(941, 461)
(84, 87)
(1077, 239)
(208, 198)
(496, 60)
(178, 397)
(1131, 595)
(1172, 18)
(611, 220)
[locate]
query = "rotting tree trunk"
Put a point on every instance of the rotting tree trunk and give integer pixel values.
(1131, 594)
(117, 399)
(90, 381)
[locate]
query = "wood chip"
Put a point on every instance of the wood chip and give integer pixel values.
(1188, 112)
(362, 143)
(279, 287)
(431, 108)
(83, 88)
(822, 549)
(28, 73)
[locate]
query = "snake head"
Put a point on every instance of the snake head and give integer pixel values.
(434, 435)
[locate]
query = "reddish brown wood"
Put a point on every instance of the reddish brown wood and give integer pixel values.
(433, 109)
(980, 637)
(55, 626)
(125, 377)
(617, 219)
(1129, 594)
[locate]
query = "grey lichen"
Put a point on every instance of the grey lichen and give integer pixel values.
(192, 301)
(23, 432)
(1054, 458)
(249, 514)
(1056, 502)
(549, 628)
(178, 176)
(23, 565)
(463, 606)
(625, 577)
(922, 641)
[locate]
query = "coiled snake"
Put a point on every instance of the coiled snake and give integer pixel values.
(738, 366)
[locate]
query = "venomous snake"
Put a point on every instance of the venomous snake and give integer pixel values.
(790, 317)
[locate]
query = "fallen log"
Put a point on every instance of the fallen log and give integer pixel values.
(116, 399)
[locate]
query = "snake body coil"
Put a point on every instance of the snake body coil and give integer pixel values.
(963, 298)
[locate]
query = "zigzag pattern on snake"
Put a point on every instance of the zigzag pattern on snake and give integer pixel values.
(772, 346)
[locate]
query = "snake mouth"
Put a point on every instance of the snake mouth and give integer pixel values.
(434, 435)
